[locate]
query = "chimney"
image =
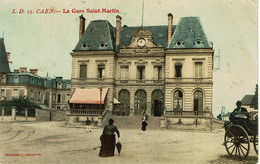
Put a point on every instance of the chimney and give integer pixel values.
(8, 56)
(170, 19)
(16, 70)
(23, 69)
(34, 71)
(118, 29)
(81, 25)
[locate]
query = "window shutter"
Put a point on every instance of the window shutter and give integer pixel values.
(143, 77)
(160, 73)
(138, 73)
(155, 73)
(126, 73)
(103, 73)
(63, 98)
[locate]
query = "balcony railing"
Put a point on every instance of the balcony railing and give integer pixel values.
(92, 80)
(187, 113)
(140, 81)
(85, 112)
(181, 79)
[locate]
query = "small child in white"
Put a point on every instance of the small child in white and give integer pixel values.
(88, 125)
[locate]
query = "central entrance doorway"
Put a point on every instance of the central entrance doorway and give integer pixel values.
(157, 103)
(140, 102)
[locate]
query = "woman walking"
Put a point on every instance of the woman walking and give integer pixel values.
(108, 140)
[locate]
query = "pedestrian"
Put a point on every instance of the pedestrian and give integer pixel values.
(145, 116)
(144, 124)
(108, 140)
(88, 125)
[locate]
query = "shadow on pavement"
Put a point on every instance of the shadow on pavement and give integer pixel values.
(229, 159)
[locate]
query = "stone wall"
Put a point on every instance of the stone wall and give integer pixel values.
(58, 115)
(80, 120)
(42, 115)
(204, 124)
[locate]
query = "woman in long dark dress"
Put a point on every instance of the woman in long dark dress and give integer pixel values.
(108, 140)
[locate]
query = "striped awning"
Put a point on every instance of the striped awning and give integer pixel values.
(88, 96)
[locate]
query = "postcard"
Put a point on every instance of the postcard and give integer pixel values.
(102, 81)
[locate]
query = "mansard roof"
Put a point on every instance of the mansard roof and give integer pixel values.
(189, 34)
(99, 35)
(4, 65)
(159, 34)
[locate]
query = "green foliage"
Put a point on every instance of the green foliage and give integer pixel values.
(255, 98)
(21, 103)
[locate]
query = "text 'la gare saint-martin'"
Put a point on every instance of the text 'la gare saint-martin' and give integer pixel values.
(74, 10)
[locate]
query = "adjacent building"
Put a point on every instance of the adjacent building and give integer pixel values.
(52, 92)
(247, 102)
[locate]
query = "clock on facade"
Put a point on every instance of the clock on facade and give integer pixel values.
(141, 42)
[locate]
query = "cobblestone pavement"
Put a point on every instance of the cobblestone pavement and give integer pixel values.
(51, 142)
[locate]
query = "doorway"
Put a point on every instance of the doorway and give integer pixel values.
(157, 103)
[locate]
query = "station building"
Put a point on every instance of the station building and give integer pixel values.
(165, 70)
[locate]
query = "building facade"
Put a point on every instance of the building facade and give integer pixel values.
(163, 70)
(54, 93)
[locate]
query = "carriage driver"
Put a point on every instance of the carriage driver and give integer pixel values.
(239, 109)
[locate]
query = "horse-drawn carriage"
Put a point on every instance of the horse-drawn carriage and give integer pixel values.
(240, 131)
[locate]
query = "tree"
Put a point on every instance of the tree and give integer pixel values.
(255, 98)
(21, 103)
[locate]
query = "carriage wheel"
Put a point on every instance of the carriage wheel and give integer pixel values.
(237, 142)
(256, 143)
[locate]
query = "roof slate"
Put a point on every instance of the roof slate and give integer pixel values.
(159, 34)
(247, 100)
(189, 34)
(4, 65)
(99, 35)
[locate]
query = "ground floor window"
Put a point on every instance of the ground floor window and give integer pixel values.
(198, 101)
(178, 100)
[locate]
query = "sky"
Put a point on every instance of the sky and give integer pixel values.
(45, 41)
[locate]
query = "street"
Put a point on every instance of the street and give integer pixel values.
(52, 142)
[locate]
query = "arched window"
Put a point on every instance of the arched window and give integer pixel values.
(157, 103)
(178, 100)
(198, 101)
(140, 102)
(124, 107)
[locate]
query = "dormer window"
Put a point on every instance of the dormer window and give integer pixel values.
(178, 44)
(102, 46)
(198, 43)
(16, 79)
(68, 85)
(85, 46)
(3, 79)
(59, 86)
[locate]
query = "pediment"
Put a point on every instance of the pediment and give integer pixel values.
(141, 38)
